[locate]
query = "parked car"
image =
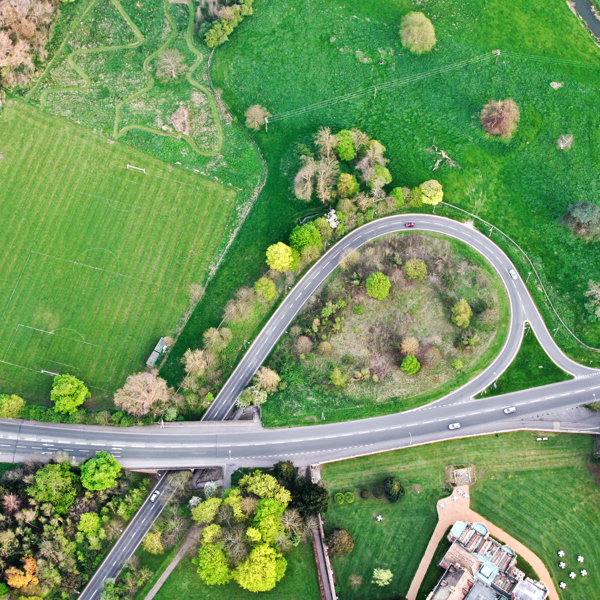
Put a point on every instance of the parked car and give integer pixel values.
(510, 410)
(410, 224)
(513, 274)
(154, 496)
(454, 426)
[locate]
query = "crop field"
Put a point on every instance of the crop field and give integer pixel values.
(543, 494)
(97, 258)
(524, 186)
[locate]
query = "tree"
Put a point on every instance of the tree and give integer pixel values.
(398, 194)
(593, 293)
(380, 176)
(309, 497)
(393, 489)
(382, 577)
(55, 484)
(417, 33)
(89, 524)
(68, 393)
(345, 146)
(212, 565)
(286, 473)
(280, 257)
(500, 118)
(266, 379)
(142, 393)
(195, 362)
(305, 235)
(252, 395)
(100, 473)
(152, 542)
(338, 379)
(11, 406)
(432, 192)
(265, 486)
(410, 345)
(255, 116)
(326, 173)
(206, 512)
(339, 542)
(584, 218)
(303, 345)
(170, 64)
(461, 313)
(410, 365)
(20, 579)
(347, 186)
(265, 288)
(324, 348)
(216, 339)
(415, 269)
(261, 571)
(378, 285)
(326, 142)
(304, 180)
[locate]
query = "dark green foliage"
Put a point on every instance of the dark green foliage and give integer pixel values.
(378, 492)
(286, 473)
(309, 498)
(365, 494)
(305, 235)
(584, 218)
(393, 489)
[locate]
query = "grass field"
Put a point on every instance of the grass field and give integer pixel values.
(299, 583)
(99, 257)
(544, 494)
(530, 368)
(527, 181)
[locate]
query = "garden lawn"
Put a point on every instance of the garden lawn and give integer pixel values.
(98, 258)
(523, 186)
(544, 494)
(531, 367)
(299, 583)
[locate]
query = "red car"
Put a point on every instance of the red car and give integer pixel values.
(409, 224)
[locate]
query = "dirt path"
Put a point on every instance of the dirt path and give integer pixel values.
(460, 510)
(189, 540)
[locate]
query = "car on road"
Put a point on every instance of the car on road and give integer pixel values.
(513, 274)
(154, 496)
(409, 224)
(454, 426)
(510, 409)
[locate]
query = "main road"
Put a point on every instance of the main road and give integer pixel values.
(210, 442)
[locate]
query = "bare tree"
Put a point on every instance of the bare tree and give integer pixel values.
(409, 345)
(593, 293)
(500, 118)
(255, 116)
(170, 64)
(11, 502)
(266, 379)
(325, 142)
(327, 170)
(142, 393)
(348, 259)
(235, 545)
(195, 362)
(565, 142)
(359, 139)
(292, 521)
(304, 180)
(303, 345)
(216, 339)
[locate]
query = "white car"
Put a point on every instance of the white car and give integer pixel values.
(510, 410)
(513, 274)
(454, 426)
(154, 496)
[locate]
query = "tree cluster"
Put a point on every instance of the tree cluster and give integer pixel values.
(584, 219)
(25, 28)
(57, 521)
(229, 18)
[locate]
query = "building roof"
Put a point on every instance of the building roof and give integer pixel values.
(453, 585)
(529, 590)
(480, 591)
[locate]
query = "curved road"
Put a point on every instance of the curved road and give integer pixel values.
(209, 443)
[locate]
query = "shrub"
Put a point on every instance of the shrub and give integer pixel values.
(265, 287)
(365, 494)
(393, 489)
(378, 285)
(432, 192)
(398, 194)
(417, 33)
(324, 348)
(349, 497)
(409, 345)
(359, 309)
(378, 492)
(461, 313)
(415, 269)
(584, 218)
(338, 379)
(410, 365)
(339, 542)
(339, 498)
(458, 364)
(500, 118)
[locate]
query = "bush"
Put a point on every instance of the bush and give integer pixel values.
(410, 365)
(265, 287)
(393, 489)
(500, 118)
(339, 498)
(349, 497)
(365, 494)
(359, 309)
(398, 194)
(339, 542)
(324, 348)
(378, 492)
(417, 33)
(458, 364)
(461, 313)
(432, 192)
(415, 269)
(378, 285)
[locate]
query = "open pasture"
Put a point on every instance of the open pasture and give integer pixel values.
(97, 258)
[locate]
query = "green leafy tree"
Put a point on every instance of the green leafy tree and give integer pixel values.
(324, 228)
(345, 148)
(265, 287)
(461, 313)
(378, 285)
(55, 484)
(268, 519)
(338, 379)
(68, 393)
(305, 235)
(89, 524)
(417, 33)
(410, 365)
(381, 176)
(100, 473)
(432, 192)
(265, 486)
(339, 542)
(382, 577)
(398, 194)
(415, 269)
(11, 406)
(213, 567)
(261, 571)
(280, 257)
(152, 542)
(207, 511)
(347, 186)
(393, 489)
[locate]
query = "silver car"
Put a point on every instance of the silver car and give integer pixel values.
(513, 274)
(509, 410)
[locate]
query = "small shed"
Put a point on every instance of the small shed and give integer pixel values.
(158, 350)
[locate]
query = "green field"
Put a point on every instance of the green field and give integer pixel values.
(531, 367)
(98, 258)
(299, 583)
(545, 494)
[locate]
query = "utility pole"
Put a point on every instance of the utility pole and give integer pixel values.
(267, 124)
(528, 276)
